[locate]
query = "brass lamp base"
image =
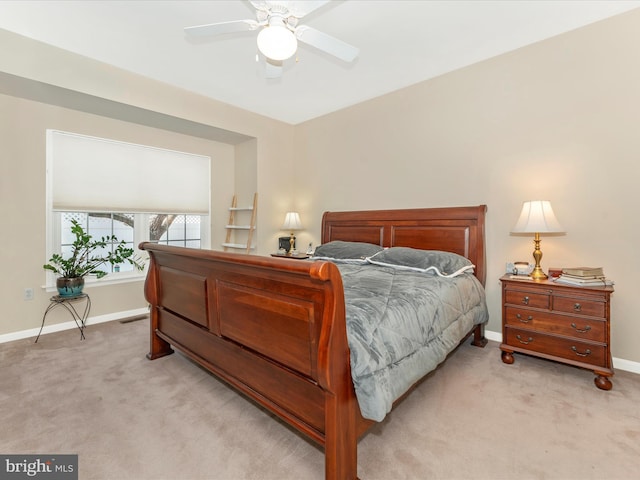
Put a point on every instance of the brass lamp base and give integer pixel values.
(292, 242)
(537, 273)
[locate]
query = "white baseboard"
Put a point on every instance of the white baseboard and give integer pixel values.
(619, 363)
(58, 327)
(493, 336)
(626, 365)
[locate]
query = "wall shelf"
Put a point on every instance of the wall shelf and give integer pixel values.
(231, 241)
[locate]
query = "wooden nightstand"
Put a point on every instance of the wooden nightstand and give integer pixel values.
(558, 322)
(297, 256)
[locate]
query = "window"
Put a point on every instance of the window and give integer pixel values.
(99, 225)
(178, 230)
(135, 192)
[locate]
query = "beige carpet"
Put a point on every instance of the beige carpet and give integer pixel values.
(474, 418)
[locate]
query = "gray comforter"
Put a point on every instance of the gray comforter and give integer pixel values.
(401, 325)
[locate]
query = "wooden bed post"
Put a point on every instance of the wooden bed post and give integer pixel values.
(341, 441)
(334, 376)
(478, 336)
(158, 347)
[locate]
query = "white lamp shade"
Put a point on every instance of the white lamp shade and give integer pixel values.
(537, 217)
(292, 222)
(277, 42)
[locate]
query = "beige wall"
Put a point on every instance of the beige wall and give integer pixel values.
(557, 121)
(235, 168)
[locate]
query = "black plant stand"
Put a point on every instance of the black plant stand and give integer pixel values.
(67, 302)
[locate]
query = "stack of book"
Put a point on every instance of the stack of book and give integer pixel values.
(583, 276)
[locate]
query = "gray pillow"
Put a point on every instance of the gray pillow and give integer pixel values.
(444, 264)
(356, 252)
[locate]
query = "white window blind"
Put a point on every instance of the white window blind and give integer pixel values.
(92, 174)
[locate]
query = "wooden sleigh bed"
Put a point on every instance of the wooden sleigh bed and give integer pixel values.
(275, 328)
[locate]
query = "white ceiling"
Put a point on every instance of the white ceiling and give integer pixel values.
(401, 43)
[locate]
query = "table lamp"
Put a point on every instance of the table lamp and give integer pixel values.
(292, 223)
(537, 217)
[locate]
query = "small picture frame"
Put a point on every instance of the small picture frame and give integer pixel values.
(284, 242)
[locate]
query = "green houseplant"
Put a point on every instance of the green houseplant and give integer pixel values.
(86, 259)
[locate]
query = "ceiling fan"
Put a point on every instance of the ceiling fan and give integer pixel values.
(280, 32)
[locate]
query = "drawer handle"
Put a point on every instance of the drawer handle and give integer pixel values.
(527, 342)
(525, 300)
(519, 317)
(584, 330)
(577, 307)
(586, 353)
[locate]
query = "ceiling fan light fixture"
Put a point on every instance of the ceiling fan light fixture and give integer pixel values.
(277, 42)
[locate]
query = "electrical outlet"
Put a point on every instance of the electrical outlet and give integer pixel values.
(28, 293)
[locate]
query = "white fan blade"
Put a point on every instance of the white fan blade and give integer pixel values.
(301, 8)
(222, 27)
(273, 68)
(326, 43)
(261, 5)
(296, 8)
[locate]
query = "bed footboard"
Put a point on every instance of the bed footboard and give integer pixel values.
(273, 328)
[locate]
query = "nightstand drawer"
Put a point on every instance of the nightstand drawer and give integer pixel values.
(579, 328)
(579, 306)
(527, 298)
(568, 348)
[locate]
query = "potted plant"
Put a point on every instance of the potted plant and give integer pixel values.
(85, 260)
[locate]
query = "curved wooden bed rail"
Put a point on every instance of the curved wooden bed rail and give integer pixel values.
(275, 328)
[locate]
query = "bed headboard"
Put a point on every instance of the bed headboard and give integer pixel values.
(452, 229)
